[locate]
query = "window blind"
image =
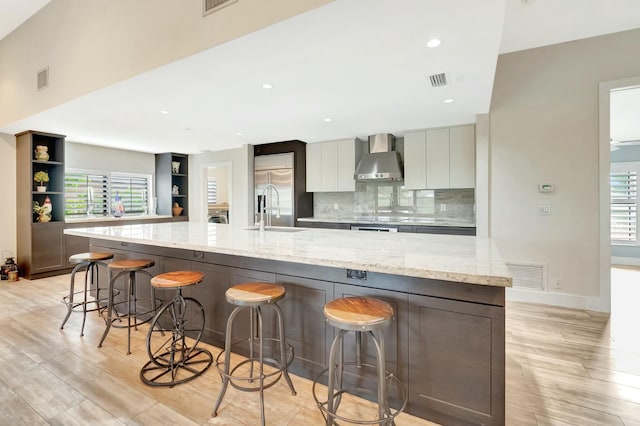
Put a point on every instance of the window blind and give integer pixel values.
(133, 192)
(212, 191)
(86, 193)
(94, 193)
(624, 217)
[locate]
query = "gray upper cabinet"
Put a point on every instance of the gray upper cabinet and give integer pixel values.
(440, 158)
(331, 165)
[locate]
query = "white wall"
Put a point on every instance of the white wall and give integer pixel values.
(8, 194)
(544, 129)
(240, 164)
(90, 44)
(92, 157)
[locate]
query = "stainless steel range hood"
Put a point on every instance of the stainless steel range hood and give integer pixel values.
(381, 163)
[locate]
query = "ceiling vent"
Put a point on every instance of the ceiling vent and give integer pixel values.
(211, 6)
(42, 78)
(438, 80)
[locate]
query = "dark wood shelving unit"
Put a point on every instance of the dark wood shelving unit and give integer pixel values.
(40, 245)
(166, 179)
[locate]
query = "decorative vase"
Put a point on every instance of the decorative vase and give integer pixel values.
(42, 218)
(175, 167)
(118, 207)
(41, 188)
(176, 210)
(42, 153)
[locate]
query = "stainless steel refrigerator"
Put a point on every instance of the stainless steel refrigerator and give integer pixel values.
(276, 170)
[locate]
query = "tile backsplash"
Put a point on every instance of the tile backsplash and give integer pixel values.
(391, 199)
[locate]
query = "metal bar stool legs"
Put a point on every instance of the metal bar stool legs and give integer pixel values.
(174, 334)
(129, 267)
(88, 261)
(366, 317)
(254, 296)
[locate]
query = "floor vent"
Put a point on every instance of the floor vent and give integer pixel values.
(438, 80)
(211, 6)
(527, 275)
(42, 78)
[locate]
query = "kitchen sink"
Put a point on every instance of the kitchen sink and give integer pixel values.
(278, 229)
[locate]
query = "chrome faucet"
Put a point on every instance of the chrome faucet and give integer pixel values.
(264, 206)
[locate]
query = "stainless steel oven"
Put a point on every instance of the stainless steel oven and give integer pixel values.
(375, 228)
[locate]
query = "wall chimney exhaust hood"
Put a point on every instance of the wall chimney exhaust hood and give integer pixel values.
(381, 163)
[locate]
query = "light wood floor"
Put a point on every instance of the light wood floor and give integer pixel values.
(564, 367)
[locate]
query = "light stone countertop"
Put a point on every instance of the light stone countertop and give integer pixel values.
(467, 259)
(390, 220)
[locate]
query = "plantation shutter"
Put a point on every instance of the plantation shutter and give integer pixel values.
(624, 191)
(132, 191)
(86, 193)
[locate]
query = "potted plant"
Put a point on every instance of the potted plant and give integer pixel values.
(43, 211)
(41, 177)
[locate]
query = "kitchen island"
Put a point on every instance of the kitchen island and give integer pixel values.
(446, 343)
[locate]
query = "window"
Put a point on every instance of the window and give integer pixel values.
(93, 193)
(212, 191)
(624, 202)
(133, 191)
(86, 194)
(395, 199)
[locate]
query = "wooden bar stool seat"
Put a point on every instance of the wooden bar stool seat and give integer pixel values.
(89, 262)
(365, 316)
(174, 334)
(130, 268)
(254, 294)
(253, 297)
(358, 313)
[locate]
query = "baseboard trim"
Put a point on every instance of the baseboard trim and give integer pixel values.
(627, 261)
(555, 299)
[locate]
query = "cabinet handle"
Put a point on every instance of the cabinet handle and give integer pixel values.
(124, 244)
(198, 254)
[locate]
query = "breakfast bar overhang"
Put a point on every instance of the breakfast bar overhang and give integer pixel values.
(446, 342)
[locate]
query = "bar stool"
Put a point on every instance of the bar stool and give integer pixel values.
(254, 296)
(172, 358)
(89, 261)
(129, 267)
(367, 316)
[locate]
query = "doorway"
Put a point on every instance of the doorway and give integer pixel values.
(218, 188)
(606, 137)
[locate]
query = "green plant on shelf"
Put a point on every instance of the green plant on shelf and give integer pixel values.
(41, 177)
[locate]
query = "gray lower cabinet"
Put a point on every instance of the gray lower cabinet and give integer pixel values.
(46, 257)
(456, 361)
(305, 326)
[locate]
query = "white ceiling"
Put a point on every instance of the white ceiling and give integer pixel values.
(362, 63)
(14, 12)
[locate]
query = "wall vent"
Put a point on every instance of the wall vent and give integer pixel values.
(42, 78)
(438, 80)
(211, 6)
(527, 275)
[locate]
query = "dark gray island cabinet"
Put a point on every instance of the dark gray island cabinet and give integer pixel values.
(446, 342)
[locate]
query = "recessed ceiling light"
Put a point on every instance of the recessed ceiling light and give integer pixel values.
(239, 134)
(267, 86)
(164, 112)
(327, 120)
(434, 42)
(448, 101)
